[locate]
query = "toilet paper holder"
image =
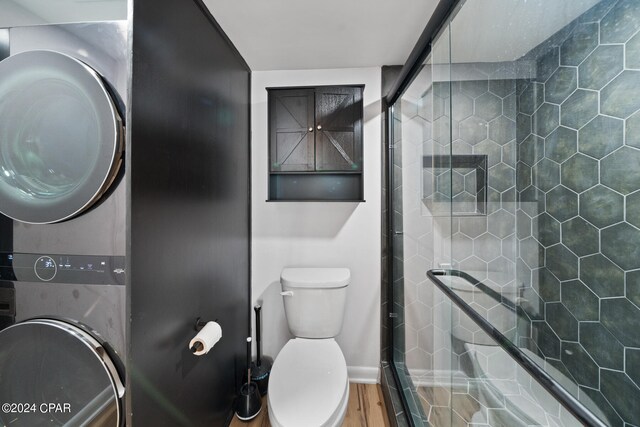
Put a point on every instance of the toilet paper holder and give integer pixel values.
(200, 324)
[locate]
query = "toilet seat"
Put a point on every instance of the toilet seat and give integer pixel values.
(308, 386)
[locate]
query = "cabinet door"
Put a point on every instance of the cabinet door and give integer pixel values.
(339, 128)
(291, 114)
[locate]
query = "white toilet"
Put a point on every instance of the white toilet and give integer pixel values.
(308, 386)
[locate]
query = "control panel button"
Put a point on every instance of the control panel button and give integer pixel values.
(45, 268)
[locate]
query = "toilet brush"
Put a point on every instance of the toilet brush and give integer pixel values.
(248, 404)
(261, 367)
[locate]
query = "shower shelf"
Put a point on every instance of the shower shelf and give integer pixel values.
(573, 405)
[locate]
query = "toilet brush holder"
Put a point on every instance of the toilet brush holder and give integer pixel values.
(248, 403)
(261, 367)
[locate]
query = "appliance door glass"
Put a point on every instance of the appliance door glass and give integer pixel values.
(61, 137)
(56, 374)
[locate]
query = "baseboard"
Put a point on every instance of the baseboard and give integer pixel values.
(363, 374)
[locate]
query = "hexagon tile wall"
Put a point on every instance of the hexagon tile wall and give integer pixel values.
(578, 133)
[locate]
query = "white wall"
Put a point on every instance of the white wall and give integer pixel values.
(321, 234)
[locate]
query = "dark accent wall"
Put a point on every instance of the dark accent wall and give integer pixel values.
(189, 211)
(579, 216)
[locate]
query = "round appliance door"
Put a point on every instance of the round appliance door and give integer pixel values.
(53, 373)
(61, 137)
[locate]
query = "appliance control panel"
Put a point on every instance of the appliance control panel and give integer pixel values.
(76, 269)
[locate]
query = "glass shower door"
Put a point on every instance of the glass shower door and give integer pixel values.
(516, 183)
(422, 222)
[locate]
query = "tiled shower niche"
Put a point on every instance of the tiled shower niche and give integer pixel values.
(455, 184)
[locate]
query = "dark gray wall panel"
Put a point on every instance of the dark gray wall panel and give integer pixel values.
(189, 214)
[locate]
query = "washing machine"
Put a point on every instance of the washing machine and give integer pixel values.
(63, 90)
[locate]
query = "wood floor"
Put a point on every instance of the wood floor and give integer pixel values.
(366, 409)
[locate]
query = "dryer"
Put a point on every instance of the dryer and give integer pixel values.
(63, 90)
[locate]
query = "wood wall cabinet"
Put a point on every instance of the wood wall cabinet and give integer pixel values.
(315, 143)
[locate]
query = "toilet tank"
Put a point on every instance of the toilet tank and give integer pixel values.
(314, 300)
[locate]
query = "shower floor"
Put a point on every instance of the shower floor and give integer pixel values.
(463, 405)
(438, 403)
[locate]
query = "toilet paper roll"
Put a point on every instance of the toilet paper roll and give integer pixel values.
(206, 339)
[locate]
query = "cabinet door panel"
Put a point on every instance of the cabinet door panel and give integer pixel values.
(291, 114)
(339, 138)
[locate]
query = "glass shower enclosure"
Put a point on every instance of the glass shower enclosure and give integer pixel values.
(515, 218)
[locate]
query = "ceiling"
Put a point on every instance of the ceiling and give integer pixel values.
(275, 34)
(299, 34)
(303, 34)
(294, 34)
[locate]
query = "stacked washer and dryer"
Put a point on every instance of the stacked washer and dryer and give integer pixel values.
(63, 236)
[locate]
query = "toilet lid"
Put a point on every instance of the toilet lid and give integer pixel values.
(308, 383)
(315, 278)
